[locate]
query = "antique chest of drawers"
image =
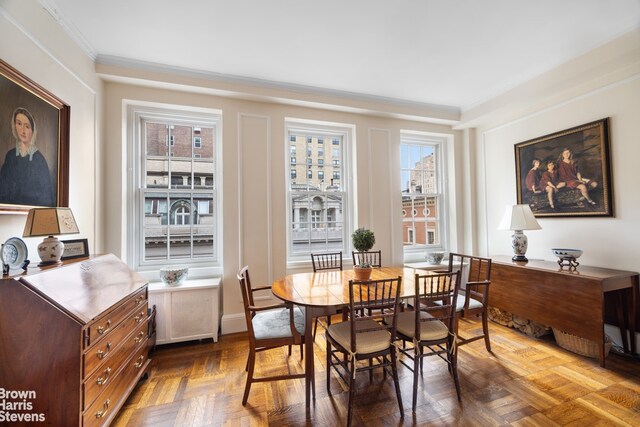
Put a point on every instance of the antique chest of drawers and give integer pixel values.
(74, 341)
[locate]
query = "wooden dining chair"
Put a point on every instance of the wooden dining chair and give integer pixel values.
(430, 328)
(368, 334)
(325, 261)
(474, 292)
(269, 327)
(374, 258)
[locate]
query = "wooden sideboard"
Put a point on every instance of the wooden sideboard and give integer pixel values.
(570, 300)
(74, 340)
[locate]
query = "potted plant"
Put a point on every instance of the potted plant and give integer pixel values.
(363, 240)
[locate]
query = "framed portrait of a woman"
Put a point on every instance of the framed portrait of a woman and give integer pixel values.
(34, 144)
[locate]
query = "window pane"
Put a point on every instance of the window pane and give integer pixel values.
(317, 222)
(203, 174)
(179, 223)
(419, 178)
(316, 193)
(157, 139)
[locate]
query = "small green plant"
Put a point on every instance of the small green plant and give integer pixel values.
(364, 265)
(363, 239)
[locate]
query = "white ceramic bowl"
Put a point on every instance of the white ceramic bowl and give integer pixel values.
(566, 253)
(434, 258)
(173, 275)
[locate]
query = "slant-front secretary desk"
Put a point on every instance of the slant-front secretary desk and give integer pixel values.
(74, 340)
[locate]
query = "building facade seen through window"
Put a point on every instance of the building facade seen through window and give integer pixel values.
(178, 190)
(317, 194)
(422, 178)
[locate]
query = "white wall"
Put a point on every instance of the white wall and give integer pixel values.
(577, 96)
(254, 150)
(36, 46)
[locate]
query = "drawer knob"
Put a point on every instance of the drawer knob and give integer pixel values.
(139, 300)
(105, 408)
(101, 330)
(140, 337)
(103, 380)
(140, 361)
(107, 349)
(139, 317)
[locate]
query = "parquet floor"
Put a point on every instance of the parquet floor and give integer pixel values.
(525, 382)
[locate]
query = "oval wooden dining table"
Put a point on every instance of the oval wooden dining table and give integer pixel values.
(324, 293)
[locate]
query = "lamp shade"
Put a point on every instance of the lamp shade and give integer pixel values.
(50, 222)
(519, 217)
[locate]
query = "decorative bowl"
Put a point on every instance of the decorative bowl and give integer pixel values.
(173, 275)
(567, 253)
(434, 258)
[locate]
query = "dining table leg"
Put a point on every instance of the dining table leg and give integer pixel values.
(309, 379)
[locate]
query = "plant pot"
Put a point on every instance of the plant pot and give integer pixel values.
(362, 274)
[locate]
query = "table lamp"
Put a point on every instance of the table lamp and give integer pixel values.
(50, 222)
(518, 218)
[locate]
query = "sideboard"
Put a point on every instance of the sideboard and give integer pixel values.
(74, 341)
(572, 300)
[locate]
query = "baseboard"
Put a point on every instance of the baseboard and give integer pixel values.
(233, 323)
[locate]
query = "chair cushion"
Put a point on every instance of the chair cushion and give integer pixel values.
(473, 303)
(429, 331)
(275, 323)
(366, 342)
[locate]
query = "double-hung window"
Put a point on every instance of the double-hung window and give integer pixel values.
(318, 203)
(176, 210)
(423, 198)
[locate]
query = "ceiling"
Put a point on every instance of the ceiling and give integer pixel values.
(456, 53)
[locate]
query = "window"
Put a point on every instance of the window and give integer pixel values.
(317, 214)
(423, 207)
(177, 206)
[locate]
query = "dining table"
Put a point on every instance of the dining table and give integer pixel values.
(324, 293)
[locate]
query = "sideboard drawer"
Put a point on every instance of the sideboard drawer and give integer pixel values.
(102, 325)
(109, 370)
(103, 409)
(112, 339)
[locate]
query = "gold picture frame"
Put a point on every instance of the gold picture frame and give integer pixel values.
(25, 177)
(566, 173)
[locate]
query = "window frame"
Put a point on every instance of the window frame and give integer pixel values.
(138, 114)
(324, 130)
(416, 252)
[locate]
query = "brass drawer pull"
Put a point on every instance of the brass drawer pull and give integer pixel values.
(103, 381)
(107, 349)
(105, 408)
(140, 361)
(140, 337)
(101, 330)
(140, 317)
(139, 300)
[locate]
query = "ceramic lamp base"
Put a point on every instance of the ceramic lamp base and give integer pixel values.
(519, 243)
(50, 251)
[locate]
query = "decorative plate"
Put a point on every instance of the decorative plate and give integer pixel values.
(14, 252)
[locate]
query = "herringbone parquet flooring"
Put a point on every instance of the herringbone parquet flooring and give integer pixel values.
(525, 382)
